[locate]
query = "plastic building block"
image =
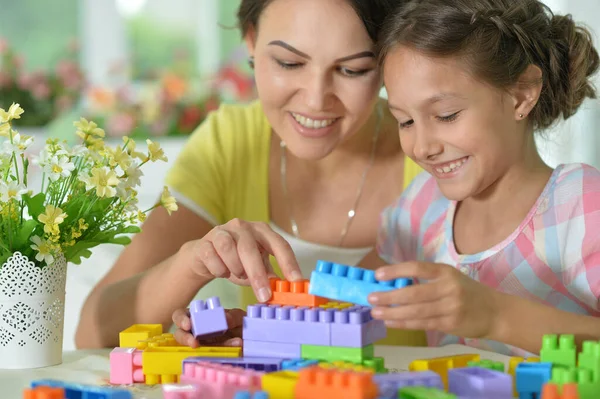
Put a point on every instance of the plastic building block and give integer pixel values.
(531, 377)
(334, 353)
(164, 364)
(208, 318)
(349, 284)
(355, 327)
(441, 365)
(589, 358)
(587, 388)
(316, 382)
(487, 364)
(475, 382)
(44, 393)
(424, 393)
(220, 381)
(166, 339)
(298, 364)
(129, 337)
(80, 391)
(281, 384)
(390, 384)
(181, 391)
(126, 366)
(273, 323)
(376, 363)
(254, 363)
(337, 305)
(276, 350)
(512, 367)
(559, 351)
(553, 391)
(341, 365)
(250, 395)
(288, 293)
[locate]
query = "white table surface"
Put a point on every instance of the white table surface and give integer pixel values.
(92, 367)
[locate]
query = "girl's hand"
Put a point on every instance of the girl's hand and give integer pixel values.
(449, 301)
(232, 337)
(239, 251)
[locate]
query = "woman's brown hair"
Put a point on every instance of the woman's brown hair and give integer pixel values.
(498, 40)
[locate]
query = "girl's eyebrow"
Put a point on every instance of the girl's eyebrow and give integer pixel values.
(294, 50)
(431, 100)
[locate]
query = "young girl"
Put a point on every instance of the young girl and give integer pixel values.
(509, 248)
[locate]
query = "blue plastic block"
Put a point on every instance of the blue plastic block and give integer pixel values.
(389, 384)
(80, 391)
(298, 364)
(531, 377)
(478, 382)
(208, 318)
(249, 395)
(265, 364)
(349, 284)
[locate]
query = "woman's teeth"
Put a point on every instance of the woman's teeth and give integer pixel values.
(311, 123)
(453, 166)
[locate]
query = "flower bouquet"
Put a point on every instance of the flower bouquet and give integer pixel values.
(87, 196)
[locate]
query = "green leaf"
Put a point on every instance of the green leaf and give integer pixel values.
(35, 205)
(131, 230)
(84, 253)
(24, 233)
(121, 240)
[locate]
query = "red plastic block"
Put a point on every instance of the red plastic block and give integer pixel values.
(293, 293)
(126, 366)
(44, 393)
(317, 382)
(218, 381)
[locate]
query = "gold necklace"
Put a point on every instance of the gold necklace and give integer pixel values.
(352, 211)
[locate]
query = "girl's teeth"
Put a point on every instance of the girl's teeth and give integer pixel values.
(451, 167)
(311, 123)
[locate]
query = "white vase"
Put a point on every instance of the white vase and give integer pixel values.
(32, 309)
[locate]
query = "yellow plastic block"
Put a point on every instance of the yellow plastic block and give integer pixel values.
(164, 364)
(157, 341)
(129, 337)
(512, 367)
(341, 365)
(441, 365)
(280, 384)
(336, 305)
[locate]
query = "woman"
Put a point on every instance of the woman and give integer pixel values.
(314, 161)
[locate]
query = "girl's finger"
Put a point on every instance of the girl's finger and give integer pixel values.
(233, 342)
(424, 310)
(431, 324)
(235, 318)
(413, 294)
(185, 338)
(181, 318)
(417, 270)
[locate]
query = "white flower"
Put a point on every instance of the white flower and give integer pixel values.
(12, 190)
(42, 159)
(133, 174)
(44, 250)
(57, 167)
(19, 144)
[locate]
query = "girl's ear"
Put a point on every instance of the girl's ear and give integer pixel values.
(526, 92)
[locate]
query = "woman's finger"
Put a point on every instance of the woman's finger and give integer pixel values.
(211, 260)
(277, 246)
(226, 249)
(251, 257)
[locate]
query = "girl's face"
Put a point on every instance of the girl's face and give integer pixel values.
(315, 72)
(462, 131)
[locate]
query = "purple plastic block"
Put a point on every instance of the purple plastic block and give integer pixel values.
(287, 324)
(354, 327)
(277, 350)
(208, 318)
(390, 384)
(265, 364)
(480, 383)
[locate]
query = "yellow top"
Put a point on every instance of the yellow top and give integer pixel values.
(222, 172)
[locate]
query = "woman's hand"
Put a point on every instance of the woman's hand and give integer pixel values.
(232, 337)
(449, 301)
(239, 251)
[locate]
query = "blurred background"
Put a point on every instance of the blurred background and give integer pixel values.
(154, 69)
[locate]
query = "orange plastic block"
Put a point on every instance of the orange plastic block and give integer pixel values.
(293, 293)
(553, 391)
(44, 393)
(441, 365)
(129, 337)
(317, 382)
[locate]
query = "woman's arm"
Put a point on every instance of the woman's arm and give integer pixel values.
(148, 282)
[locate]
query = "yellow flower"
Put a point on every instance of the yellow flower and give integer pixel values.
(83, 225)
(119, 157)
(87, 128)
(104, 181)
(130, 148)
(44, 250)
(155, 153)
(141, 216)
(51, 218)
(4, 130)
(14, 112)
(167, 201)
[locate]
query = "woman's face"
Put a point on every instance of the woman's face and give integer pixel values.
(316, 73)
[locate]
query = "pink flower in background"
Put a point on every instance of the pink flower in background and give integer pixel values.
(69, 74)
(159, 128)
(3, 45)
(40, 90)
(120, 124)
(18, 61)
(25, 80)
(5, 79)
(64, 103)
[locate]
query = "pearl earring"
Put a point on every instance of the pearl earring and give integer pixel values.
(521, 116)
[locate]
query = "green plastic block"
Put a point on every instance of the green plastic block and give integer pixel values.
(559, 351)
(335, 353)
(589, 358)
(377, 364)
(588, 389)
(424, 393)
(487, 364)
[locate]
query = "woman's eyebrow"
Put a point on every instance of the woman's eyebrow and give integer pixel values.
(294, 50)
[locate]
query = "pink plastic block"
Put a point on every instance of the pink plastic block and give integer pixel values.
(181, 391)
(208, 318)
(219, 381)
(126, 366)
